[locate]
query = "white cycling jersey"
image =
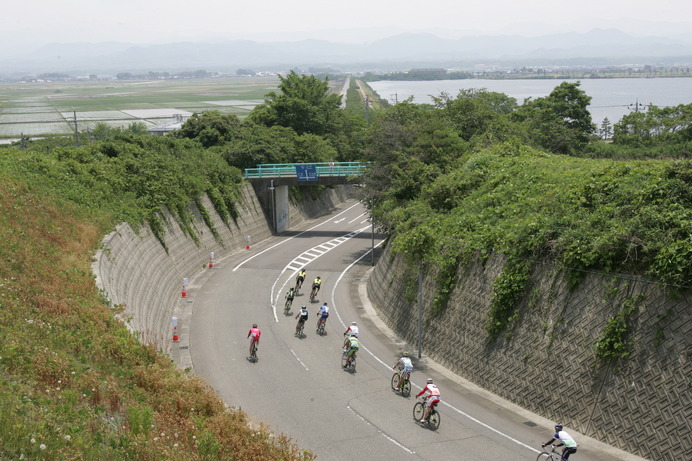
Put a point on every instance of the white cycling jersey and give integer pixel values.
(405, 364)
(352, 331)
(566, 439)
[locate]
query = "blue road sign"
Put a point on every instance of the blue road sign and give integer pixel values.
(307, 172)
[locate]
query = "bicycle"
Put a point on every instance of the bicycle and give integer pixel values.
(320, 327)
(433, 418)
(299, 331)
(313, 293)
(405, 387)
(347, 363)
(551, 455)
(299, 285)
(253, 353)
(287, 306)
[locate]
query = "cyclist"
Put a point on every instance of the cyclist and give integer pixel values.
(405, 367)
(432, 397)
(352, 330)
(316, 285)
(323, 313)
(565, 439)
(302, 316)
(351, 348)
(300, 279)
(254, 335)
(290, 294)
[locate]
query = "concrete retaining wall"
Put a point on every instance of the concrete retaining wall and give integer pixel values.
(642, 404)
(135, 272)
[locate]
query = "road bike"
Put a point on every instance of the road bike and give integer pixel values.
(320, 326)
(287, 306)
(299, 330)
(405, 388)
(313, 293)
(433, 421)
(253, 352)
(348, 364)
(551, 455)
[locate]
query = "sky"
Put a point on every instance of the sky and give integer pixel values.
(35, 22)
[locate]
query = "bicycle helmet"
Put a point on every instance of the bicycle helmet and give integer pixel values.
(405, 354)
(430, 380)
(254, 325)
(558, 427)
(303, 307)
(318, 278)
(353, 324)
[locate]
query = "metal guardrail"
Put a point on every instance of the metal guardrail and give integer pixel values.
(283, 170)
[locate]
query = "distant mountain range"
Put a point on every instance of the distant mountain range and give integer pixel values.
(399, 52)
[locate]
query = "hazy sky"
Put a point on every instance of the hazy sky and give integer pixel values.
(150, 21)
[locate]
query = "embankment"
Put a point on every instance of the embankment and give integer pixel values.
(641, 404)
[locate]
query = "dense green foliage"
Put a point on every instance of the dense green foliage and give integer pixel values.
(461, 178)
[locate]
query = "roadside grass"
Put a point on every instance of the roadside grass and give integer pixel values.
(74, 382)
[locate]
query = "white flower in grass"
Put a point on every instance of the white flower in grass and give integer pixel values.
(33, 440)
(42, 446)
(68, 438)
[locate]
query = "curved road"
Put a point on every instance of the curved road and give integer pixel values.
(298, 386)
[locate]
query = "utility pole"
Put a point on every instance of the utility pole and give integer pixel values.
(636, 106)
(76, 132)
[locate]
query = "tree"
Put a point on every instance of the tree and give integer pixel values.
(606, 131)
(304, 104)
(559, 122)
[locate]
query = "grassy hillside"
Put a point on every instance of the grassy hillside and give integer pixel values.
(74, 383)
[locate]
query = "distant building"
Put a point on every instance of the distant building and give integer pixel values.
(175, 124)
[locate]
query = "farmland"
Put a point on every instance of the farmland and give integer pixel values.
(44, 108)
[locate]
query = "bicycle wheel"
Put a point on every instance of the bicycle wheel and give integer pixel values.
(352, 364)
(546, 456)
(418, 411)
(344, 359)
(395, 381)
(434, 420)
(406, 388)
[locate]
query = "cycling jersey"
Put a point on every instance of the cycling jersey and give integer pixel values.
(290, 294)
(324, 311)
(352, 331)
(255, 333)
(405, 364)
(566, 439)
(433, 394)
(301, 276)
(352, 345)
(303, 314)
(316, 283)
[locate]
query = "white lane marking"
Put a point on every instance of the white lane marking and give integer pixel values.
(354, 219)
(290, 238)
(339, 220)
(475, 420)
(298, 359)
(379, 431)
(291, 266)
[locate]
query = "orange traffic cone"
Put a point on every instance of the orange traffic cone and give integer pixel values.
(175, 335)
(184, 294)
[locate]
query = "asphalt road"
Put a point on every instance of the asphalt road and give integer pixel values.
(298, 386)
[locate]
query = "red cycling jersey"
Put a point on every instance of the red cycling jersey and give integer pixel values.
(255, 333)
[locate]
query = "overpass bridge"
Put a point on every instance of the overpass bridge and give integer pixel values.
(271, 182)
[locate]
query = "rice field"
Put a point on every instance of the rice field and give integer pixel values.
(42, 109)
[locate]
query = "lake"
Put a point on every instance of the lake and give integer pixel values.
(610, 98)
